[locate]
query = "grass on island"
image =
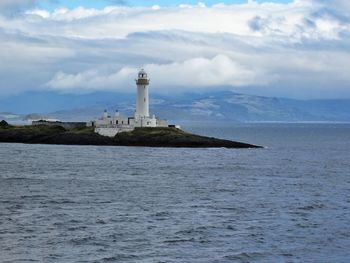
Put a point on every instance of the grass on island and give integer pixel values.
(83, 130)
(56, 129)
(45, 128)
(29, 129)
(153, 132)
(162, 134)
(3, 124)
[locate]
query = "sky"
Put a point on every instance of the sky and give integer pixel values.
(296, 49)
(50, 5)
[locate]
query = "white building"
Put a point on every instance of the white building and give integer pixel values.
(109, 125)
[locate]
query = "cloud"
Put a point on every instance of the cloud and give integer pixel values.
(196, 72)
(13, 6)
(297, 49)
(337, 9)
(119, 21)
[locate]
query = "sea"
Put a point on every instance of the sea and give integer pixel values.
(287, 202)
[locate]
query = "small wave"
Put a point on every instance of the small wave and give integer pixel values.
(60, 201)
(33, 196)
(245, 256)
(81, 241)
(101, 222)
(179, 240)
(28, 260)
(16, 179)
(75, 228)
(312, 207)
(118, 258)
(199, 229)
(161, 215)
(109, 259)
(74, 221)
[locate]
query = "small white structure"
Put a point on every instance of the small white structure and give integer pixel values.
(112, 125)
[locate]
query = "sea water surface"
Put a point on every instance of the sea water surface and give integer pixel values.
(289, 202)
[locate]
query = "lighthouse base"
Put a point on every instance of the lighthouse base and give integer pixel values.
(112, 125)
(141, 121)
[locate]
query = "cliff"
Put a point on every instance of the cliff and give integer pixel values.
(148, 137)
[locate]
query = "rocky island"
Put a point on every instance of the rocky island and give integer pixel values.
(142, 129)
(146, 137)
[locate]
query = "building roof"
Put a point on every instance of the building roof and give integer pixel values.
(142, 74)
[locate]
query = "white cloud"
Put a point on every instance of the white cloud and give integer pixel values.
(294, 49)
(283, 20)
(93, 80)
(196, 72)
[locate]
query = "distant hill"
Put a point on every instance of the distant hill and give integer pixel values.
(208, 106)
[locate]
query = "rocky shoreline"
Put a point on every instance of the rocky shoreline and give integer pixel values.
(145, 137)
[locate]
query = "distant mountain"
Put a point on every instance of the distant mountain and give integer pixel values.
(208, 106)
(333, 110)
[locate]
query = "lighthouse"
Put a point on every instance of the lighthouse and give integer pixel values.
(110, 125)
(142, 116)
(142, 100)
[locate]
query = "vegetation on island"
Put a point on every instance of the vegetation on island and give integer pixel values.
(148, 137)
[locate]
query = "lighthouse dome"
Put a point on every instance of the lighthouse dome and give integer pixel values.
(142, 74)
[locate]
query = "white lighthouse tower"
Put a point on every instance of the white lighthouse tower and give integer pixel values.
(142, 117)
(142, 101)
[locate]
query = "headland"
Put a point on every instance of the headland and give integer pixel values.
(145, 137)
